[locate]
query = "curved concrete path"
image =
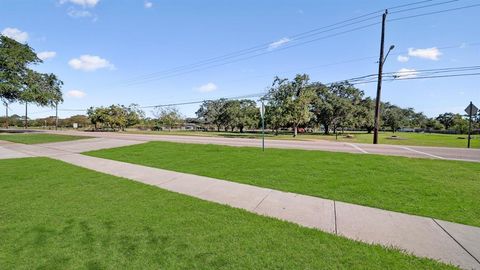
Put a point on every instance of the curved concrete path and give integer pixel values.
(447, 153)
(448, 242)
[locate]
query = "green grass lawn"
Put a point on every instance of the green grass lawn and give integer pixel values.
(441, 189)
(404, 138)
(35, 138)
(410, 138)
(66, 217)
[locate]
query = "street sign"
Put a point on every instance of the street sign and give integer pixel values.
(262, 110)
(262, 115)
(471, 108)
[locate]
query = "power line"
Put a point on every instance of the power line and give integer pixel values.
(201, 101)
(371, 78)
(154, 78)
(255, 55)
(178, 71)
(433, 12)
(425, 6)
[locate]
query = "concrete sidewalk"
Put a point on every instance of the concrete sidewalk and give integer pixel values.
(446, 153)
(425, 237)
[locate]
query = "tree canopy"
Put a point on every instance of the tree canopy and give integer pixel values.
(116, 117)
(18, 82)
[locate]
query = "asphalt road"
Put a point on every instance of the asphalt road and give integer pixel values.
(447, 153)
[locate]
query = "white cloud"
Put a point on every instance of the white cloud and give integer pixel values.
(405, 73)
(403, 58)
(209, 87)
(83, 3)
(75, 13)
(16, 34)
(76, 94)
(148, 4)
(88, 62)
(46, 55)
(278, 43)
(428, 53)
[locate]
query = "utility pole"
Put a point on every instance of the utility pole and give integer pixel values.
(56, 116)
(381, 60)
(6, 114)
(26, 118)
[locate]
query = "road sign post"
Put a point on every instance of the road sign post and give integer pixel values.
(470, 110)
(262, 115)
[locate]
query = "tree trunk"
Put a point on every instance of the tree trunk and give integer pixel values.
(295, 131)
(218, 128)
(241, 129)
(327, 130)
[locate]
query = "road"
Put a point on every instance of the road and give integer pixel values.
(446, 153)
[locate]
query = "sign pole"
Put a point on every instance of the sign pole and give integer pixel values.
(470, 110)
(262, 112)
(470, 123)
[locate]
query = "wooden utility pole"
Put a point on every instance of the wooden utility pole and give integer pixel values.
(26, 117)
(6, 115)
(56, 116)
(379, 83)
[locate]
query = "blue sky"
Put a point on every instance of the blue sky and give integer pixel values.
(97, 47)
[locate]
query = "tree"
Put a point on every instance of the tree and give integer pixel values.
(414, 119)
(393, 117)
(239, 114)
(365, 113)
(460, 124)
(15, 59)
(433, 124)
(335, 106)
(97, 115)
(211, 112)
(168, 117)
(20, 83)
(294, 99)
(249, 115)
(274, 117)
(81, 120)
(133, 114)
(43, 90)
(115, 116)
(446, 119)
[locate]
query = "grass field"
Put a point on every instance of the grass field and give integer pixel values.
(66, 217)
(404, 138)
(441, 189)
(35, 138)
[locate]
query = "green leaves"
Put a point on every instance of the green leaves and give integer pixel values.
(115, 116)
(289, 102)
(20, 83)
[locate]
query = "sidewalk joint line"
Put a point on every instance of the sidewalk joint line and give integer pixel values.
(335, 215)
(262, 200)
(478, 261)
